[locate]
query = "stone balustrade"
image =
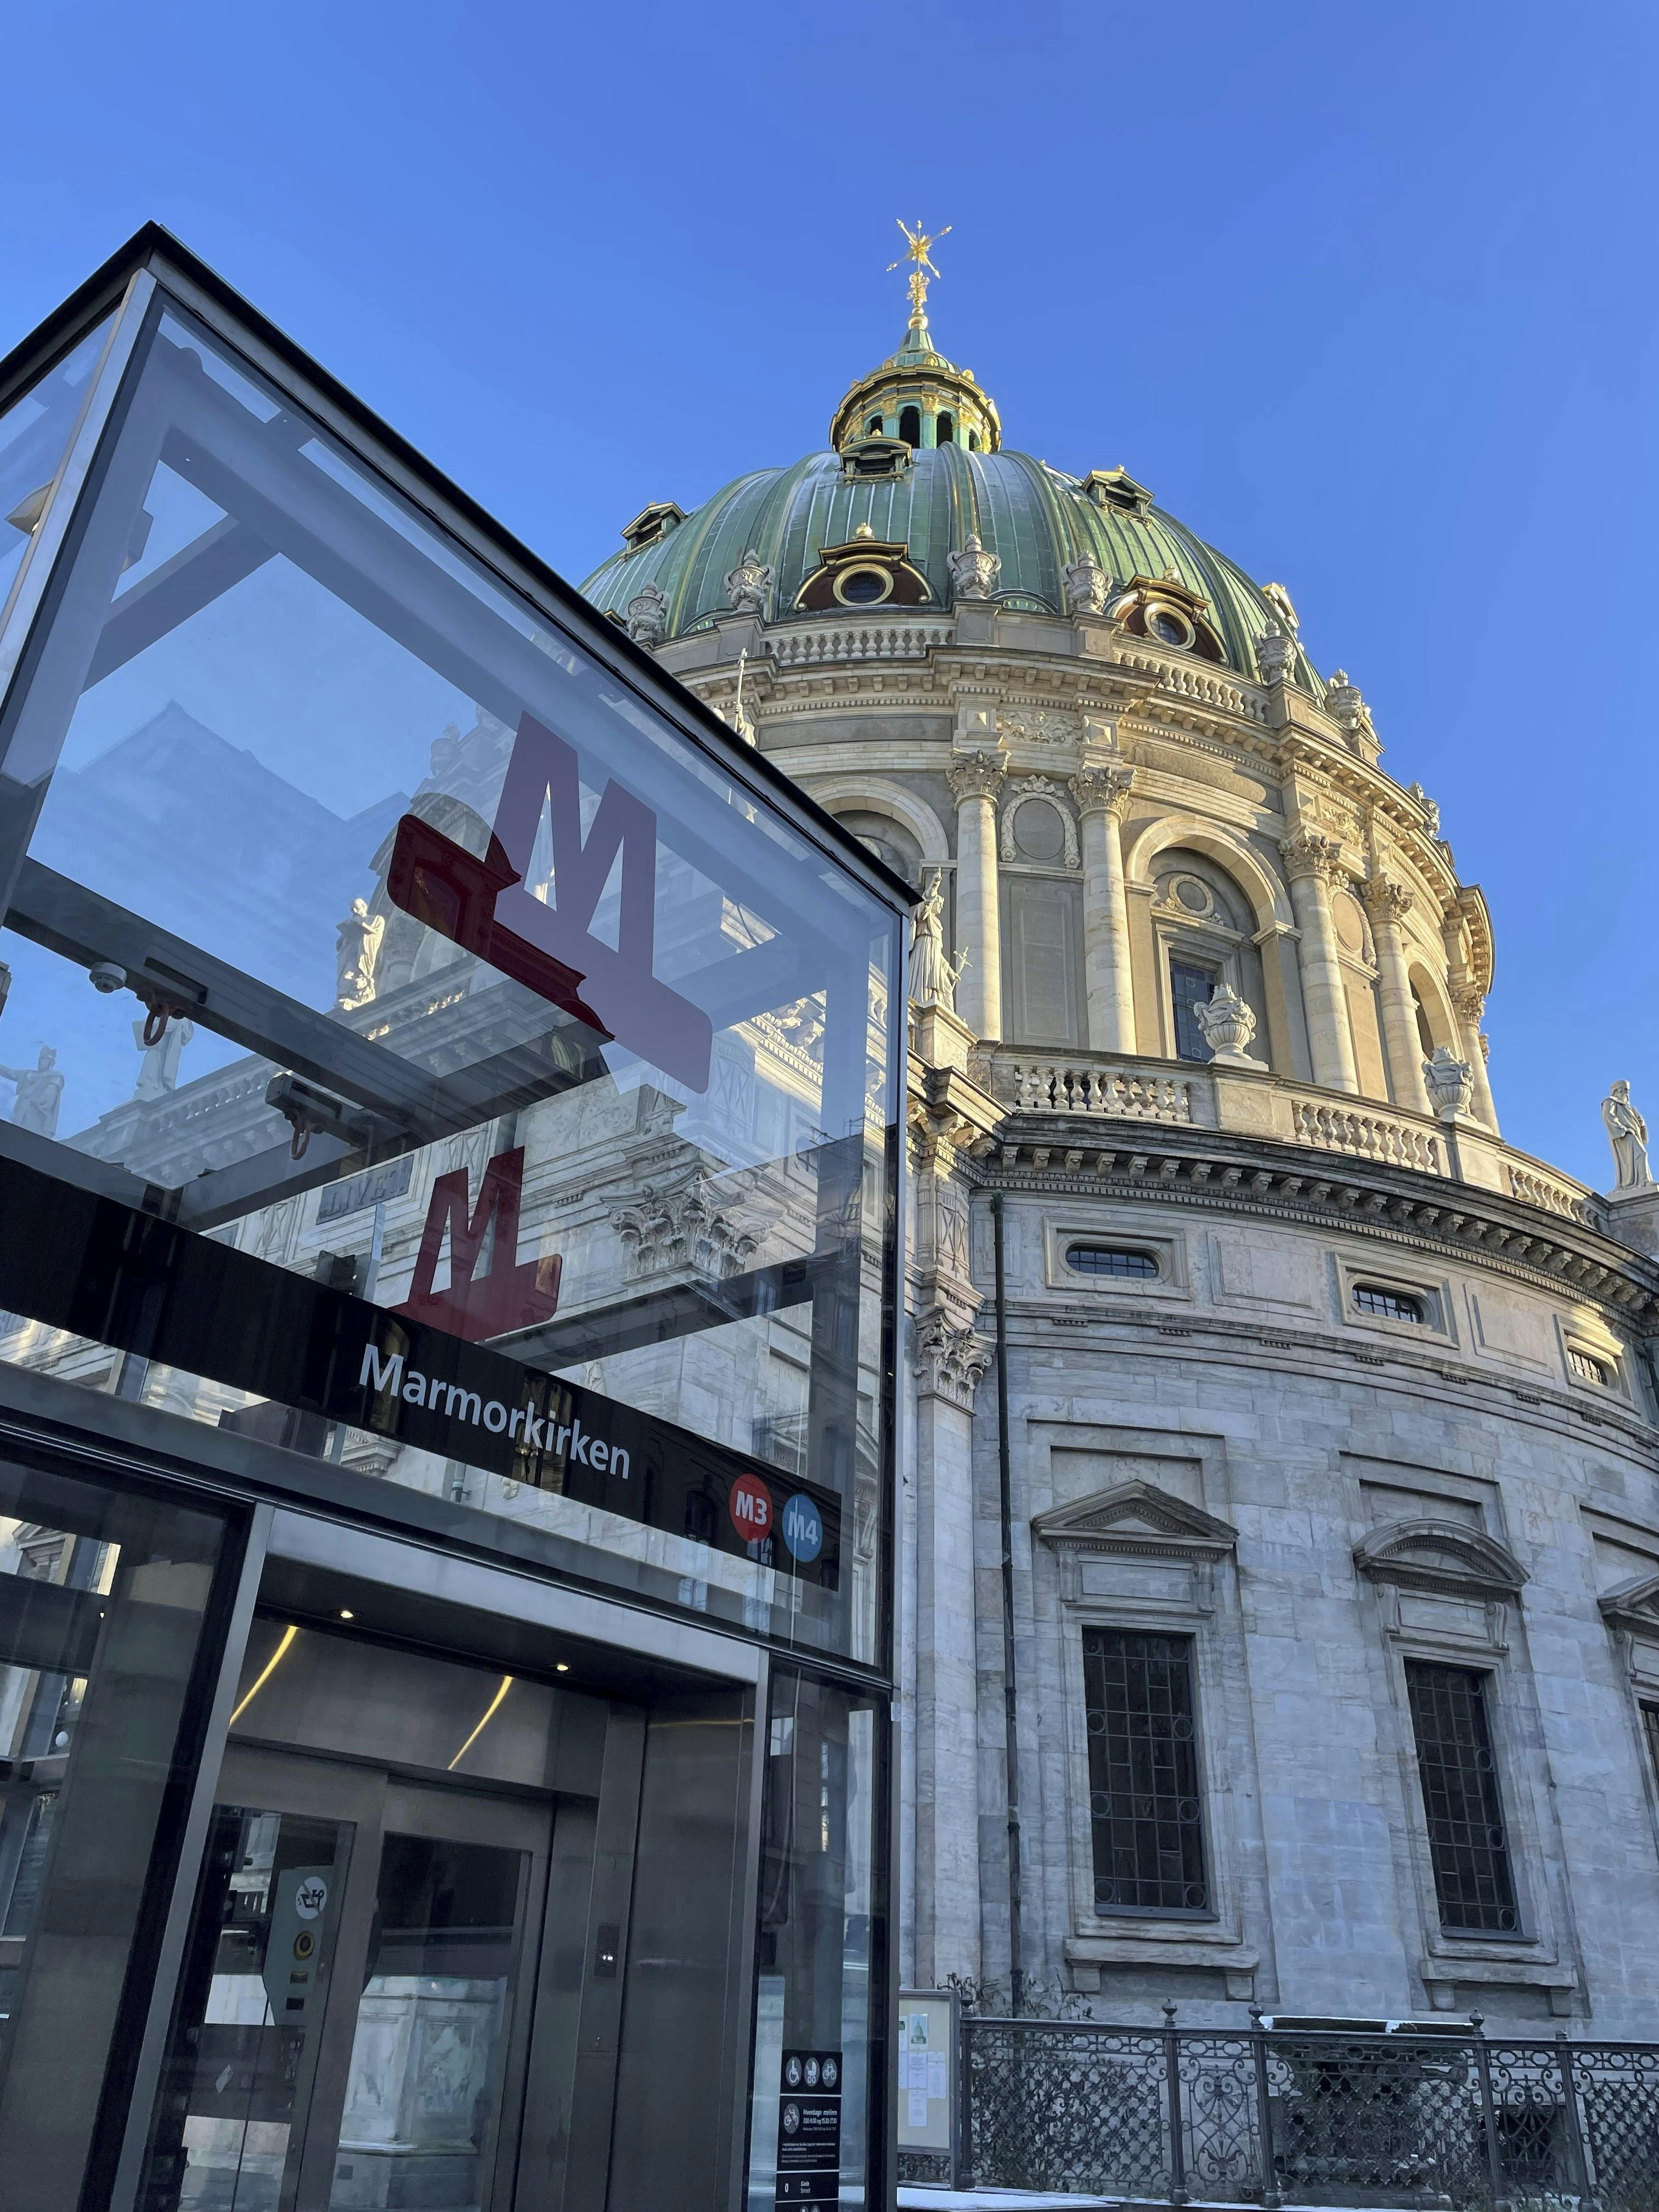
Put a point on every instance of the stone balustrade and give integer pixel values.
(1110, 1086)
(795, 647)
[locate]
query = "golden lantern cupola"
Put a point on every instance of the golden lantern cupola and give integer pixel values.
(916, 398)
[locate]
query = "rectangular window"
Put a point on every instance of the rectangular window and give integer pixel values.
(1187, 986)
(1650, 1729)
(1465, 1813)
(1144, 1810)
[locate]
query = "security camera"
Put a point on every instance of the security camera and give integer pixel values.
(105, 977)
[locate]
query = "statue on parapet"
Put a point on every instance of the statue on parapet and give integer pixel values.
(357, 947)
(933, 975)
(1628, 1133)
(39, 1094)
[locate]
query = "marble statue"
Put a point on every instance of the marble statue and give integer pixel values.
(748, 584)
(934, 976)
(974, 572)
(158, 1071)
(646, 617)
(1628, 1133)
(39, 1094)
(1087, 585)
(358, 947)
(1416, 791)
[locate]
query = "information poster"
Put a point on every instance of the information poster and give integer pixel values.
(926, 2041)
(809, 2130)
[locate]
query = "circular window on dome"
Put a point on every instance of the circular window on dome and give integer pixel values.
(863, 586)
(1170, 626)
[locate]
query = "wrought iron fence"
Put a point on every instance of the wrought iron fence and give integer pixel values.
(1457, 2121)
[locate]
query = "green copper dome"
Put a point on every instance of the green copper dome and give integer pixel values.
(1035, 518)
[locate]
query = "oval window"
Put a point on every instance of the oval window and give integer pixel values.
(863, 587)
(1119, 1261)
(1169, 626)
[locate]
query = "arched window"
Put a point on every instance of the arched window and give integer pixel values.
(1425, 1034)
(874, 426)
(945, 433)
(973, 441)
(910, 426)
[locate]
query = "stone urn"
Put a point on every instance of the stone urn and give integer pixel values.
(1228, 1022)
(1450, 1083)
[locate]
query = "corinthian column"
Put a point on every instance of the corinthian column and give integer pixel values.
(977, 778)
(1389, 904)
(1103, 800)
(1313, 864)
(1468, 1004)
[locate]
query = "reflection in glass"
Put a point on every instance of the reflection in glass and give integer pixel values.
(242, 2058)
(34, 434)
(423, 2091)
(393, 885)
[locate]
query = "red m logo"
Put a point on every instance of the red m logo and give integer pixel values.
(550, 947)
(510, 1295)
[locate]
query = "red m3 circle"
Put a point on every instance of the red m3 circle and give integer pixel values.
(751, 1507)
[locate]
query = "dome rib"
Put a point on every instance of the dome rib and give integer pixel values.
(1037, 518)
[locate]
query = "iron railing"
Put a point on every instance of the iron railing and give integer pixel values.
(1454, 2119)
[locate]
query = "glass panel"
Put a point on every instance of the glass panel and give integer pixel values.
(1144, 1810)
(821, 1934)
(438, 969)
(241, 2058)
(103, 1599)
(423, 2092)
(1465, 1813)
(34, 434)
(1190, 986)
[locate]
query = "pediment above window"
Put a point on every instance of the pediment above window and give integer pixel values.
(1633, 1605)
(1442, 1556)
(1137, 1520)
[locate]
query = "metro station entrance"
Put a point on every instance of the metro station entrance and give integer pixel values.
(355, 2008)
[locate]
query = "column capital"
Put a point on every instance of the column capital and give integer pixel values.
(1386, 901)
(950, 1359)
(1469, 1001)
(1307, 853)
(977, 775)
(1105, 787)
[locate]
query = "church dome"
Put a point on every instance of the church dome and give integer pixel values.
(915, 465)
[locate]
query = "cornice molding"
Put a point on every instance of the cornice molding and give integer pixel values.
(1137, 1520)
(1443, 1557)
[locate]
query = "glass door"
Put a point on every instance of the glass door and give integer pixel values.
(348, 2035)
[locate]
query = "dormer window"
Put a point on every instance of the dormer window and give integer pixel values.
(875, 457)
(865, 572)
(1169, 613)
(652, 523)
(1117, 488)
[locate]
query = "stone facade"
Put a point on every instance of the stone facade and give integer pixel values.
(1376, 1392)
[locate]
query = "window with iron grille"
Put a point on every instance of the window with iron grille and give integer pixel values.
(1388, 1305)
(1188, 985)
(1586, 1364)
(1468, 1846)
(1127, 1265)
(1651, 1728)
(1144, 1811)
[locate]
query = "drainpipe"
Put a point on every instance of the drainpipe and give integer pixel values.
(1010, 1688)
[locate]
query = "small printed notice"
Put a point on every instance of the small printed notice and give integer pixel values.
(809, 2130)
(918, 2113)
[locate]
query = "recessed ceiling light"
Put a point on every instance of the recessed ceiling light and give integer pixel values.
(346, 1613)
(562, 1669)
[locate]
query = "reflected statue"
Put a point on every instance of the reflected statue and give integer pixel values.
(158, 1071)
(358, 942)
(933, 978)
(1628, 1133)
(39, 1094)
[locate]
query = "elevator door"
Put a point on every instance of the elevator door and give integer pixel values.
(355, 2015)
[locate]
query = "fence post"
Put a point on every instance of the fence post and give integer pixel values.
(1270, 2198)
(1172, 2077)
(1581, 2181)
(962, 2157)
(1494, 2155)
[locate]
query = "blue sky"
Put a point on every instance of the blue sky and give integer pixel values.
(1365, 293)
